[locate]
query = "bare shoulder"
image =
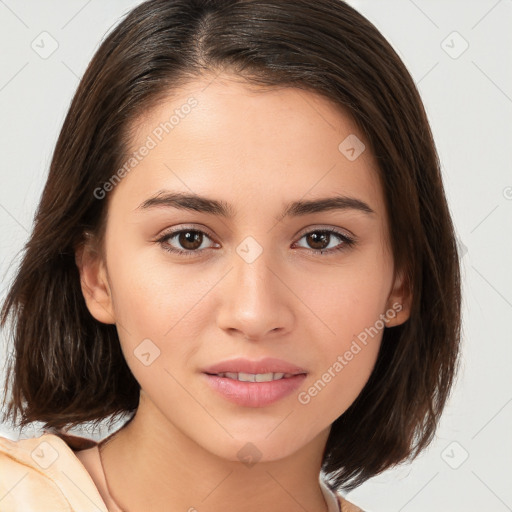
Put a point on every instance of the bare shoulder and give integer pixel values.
(347, 506)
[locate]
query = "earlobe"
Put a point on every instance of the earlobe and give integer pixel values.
(94, 283)
(398, 307)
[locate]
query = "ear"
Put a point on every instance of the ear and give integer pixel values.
(93, 281)
(398, 307)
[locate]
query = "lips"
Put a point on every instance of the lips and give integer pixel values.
(263, 366)
(253, 394)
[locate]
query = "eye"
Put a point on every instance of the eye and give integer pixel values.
(321, 239)
(191, 241)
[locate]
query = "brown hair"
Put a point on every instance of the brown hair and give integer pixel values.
(68, 368)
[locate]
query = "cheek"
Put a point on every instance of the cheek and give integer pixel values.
(347, 299)
(346, 358)
(150, 296)
(350, 306)
(350, 354)
(158, 309)
(332, 391)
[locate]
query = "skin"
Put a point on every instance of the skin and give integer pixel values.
(258, 150)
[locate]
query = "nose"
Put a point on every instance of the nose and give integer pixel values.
(255, 300)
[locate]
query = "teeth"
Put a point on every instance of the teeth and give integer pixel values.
(255, 377)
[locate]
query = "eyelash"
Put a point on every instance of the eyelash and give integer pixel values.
(347, 242)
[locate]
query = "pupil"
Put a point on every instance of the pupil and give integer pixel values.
(187, 239)
(317, 241)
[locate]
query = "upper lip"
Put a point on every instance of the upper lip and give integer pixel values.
(266, 365)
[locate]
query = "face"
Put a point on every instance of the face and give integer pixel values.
(189, 287)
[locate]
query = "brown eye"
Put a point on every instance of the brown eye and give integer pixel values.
(317, 241)
(320, 239)
(190, 240)
(185, 242)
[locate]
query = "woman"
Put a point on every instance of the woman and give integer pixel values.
(244, 243)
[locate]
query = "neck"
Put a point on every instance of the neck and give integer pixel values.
(151, 462)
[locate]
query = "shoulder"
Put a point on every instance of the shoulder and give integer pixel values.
(43, 473)
(335, 500)
(347, 506)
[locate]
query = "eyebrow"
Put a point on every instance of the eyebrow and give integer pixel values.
(194, 202)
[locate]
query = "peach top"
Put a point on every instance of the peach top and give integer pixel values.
(63, 473)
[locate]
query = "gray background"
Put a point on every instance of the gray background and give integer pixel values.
(468, 97)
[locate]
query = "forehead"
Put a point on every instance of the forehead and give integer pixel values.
(207, 110)
(227, 137)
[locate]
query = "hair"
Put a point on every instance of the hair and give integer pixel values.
(67, 368)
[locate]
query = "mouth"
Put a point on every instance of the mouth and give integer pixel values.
(254, 377)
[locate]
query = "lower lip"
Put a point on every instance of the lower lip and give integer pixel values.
(254, 394)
